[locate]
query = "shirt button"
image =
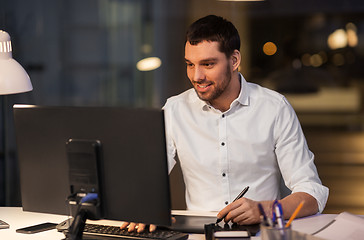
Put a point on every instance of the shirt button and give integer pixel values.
(226, 203)
(222, 144)
(223, 174)
(223, 115)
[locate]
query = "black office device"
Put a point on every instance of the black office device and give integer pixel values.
(133, 173)
(37, 228)
(84, 159)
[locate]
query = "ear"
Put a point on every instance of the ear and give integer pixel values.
(235, 60)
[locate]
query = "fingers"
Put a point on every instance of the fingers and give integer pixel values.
(132, 227)
(139, 227)
(242, 211)
(152, 228)
(124, 225)
(226, 212)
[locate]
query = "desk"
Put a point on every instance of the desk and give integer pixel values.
(17, 218)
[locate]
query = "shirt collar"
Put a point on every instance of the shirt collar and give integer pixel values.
(243, 97)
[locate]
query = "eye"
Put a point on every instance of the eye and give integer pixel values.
(209, 64)
(189, 65)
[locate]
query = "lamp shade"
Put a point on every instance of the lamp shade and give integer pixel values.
(13, 77)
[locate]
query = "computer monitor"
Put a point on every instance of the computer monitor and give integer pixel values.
(133, 177)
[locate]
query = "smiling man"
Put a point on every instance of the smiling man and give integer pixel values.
(228, 133)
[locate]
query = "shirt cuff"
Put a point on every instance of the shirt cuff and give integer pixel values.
(316, 190)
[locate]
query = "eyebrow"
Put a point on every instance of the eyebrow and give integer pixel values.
(204, 60)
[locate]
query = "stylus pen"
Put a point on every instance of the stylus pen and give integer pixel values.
(238, 197)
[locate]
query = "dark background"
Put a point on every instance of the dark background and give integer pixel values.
(84, 52)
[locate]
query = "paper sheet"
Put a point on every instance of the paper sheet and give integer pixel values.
(345, 226)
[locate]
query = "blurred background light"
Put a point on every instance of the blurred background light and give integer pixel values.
(149, 64)
(316, 60)
(351, 31)
(323, 56)
(269, 48)
(337, 39)
(296, 63)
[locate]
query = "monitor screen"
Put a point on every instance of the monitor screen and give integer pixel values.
(133, 176)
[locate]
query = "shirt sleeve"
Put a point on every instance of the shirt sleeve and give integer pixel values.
(171, 149)
(295, 160)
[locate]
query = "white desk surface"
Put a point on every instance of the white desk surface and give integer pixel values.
(17, 218)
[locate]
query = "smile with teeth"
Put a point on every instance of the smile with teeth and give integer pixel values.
(203, 86)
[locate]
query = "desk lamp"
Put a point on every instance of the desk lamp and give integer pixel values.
(13, 79)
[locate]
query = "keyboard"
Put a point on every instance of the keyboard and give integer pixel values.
(95, 231)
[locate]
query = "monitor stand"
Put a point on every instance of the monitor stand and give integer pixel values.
(75, 231)
(84, 167)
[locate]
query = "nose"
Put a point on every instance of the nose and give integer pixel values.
(198, 74)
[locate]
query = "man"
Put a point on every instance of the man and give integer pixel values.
(228, 134)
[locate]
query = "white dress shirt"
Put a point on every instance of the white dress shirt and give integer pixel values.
(251, 144)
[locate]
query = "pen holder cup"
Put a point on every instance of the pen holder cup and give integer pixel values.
(275, 233)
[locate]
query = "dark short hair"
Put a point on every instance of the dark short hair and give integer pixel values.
(215, 29)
